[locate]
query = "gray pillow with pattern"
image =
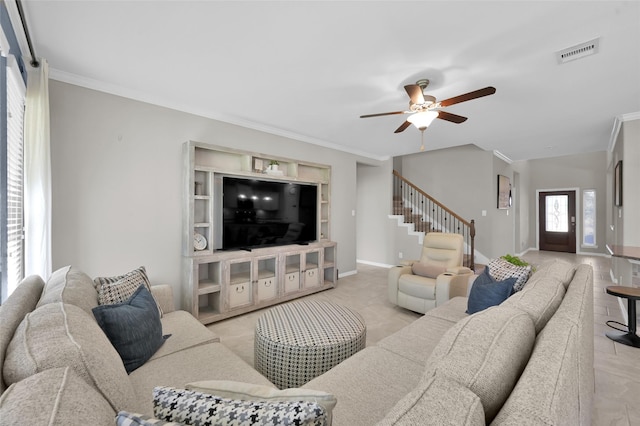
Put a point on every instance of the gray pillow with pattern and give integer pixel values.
(195, 408)
(118, 289)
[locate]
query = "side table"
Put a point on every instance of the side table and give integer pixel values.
(631, 294)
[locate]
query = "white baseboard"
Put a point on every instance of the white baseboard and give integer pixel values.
(381, 265)
(346, 274)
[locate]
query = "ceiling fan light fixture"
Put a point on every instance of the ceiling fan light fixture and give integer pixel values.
(423, 119)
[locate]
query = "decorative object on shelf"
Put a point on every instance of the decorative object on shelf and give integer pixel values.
(199, 241)
(504, 192)
(198, 186)
(273, 165)
(617, 184)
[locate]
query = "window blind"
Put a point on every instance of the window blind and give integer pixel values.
(15, 177)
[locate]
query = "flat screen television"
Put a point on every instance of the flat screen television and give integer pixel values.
(263, 213)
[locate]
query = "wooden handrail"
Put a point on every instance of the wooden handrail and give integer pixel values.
(445, 219)
(442, 206)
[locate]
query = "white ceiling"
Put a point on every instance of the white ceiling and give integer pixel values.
(309, 69)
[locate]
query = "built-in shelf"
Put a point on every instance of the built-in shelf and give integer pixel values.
(221, 284)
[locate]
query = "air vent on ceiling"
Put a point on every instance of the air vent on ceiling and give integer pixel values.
(581, 50)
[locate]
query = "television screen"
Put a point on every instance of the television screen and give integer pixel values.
(262, 213)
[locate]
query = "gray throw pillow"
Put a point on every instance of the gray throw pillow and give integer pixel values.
(133, 327)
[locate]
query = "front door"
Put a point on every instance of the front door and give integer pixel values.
(557, 221)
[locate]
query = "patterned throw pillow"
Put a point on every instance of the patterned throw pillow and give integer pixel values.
(112, 290)
(134, 419)
(500, 270)
(195, 408)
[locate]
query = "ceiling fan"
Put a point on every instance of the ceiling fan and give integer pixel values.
(424, 108)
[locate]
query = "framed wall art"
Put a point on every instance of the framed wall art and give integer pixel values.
(617, 184)
(504, 192)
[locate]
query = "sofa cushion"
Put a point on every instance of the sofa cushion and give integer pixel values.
(368, 384)
(486, 352)
(112, 290)
(547, 392)
(540, 298)
(203, 362)
(437, 401)
(57, 396)
(72, 286)
(558, 269)
(487, 292)
(22, 301)
(500, 269)
(60, 335)
(452, 310)
(250, 392)
(196, 408)
(133, 327)
(427, 269)
(186, 332)
(417, 340)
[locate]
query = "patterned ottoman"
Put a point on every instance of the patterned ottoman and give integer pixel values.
(298, 341)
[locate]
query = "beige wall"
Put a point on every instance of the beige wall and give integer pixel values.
(116, 172)
(465, 179)
(579, 172)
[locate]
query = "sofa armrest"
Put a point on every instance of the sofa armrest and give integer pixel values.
(394, 275)
(164, 296)
(450, 285)
(460, 270)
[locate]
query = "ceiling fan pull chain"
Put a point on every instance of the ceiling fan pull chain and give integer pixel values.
(422, 140)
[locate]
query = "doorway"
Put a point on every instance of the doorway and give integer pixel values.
(557, 221)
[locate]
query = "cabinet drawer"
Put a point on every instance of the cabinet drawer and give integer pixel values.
(267, 288)
(291, 282)
(311, 278)
(239, 295)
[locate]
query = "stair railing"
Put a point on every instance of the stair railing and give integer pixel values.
(409, 199)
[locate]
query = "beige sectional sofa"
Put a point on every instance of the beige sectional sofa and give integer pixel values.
(528, 361)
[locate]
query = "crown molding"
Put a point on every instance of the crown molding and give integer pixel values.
(617, 124)
(117, 90)
(502, 156)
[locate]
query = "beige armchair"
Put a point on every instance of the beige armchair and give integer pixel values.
(420, 285)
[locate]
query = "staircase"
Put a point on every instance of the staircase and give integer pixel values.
(429, 215)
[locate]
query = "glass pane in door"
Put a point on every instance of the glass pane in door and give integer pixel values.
(557, 210)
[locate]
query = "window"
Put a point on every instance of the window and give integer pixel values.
(12, 224)
(557, 209)
(589, 217)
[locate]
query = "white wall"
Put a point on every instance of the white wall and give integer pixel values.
(464, 179)
(374, 206)
(580, 171)
(116, 172)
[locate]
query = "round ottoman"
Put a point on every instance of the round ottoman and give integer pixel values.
(298, 341)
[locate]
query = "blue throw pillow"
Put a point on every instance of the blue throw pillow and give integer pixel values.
(133, 327)
(487, 292)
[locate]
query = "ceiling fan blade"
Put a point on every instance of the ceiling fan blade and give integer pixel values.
(415, 93)
(381, 114)
(402, 127)
(469, 96)
(454, 118)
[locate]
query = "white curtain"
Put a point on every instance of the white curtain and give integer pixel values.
(37, 173)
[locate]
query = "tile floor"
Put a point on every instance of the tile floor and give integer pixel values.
(617, 367)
